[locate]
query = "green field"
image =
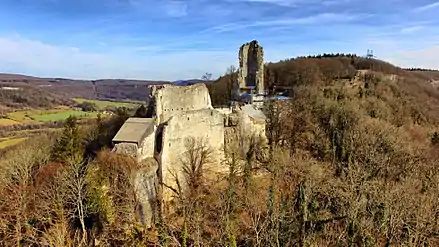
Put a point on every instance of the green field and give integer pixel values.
(102, 104)
(61, 115)
(38, 116)
(29, 115)
(7, 142)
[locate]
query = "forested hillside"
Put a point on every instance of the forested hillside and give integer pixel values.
(22, 97)
(351, 161)
(114, 89)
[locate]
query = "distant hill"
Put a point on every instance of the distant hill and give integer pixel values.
(188, 82)
(108, 89)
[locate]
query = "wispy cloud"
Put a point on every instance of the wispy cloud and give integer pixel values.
(421, 58)
(319, 18)
(427, 7)
(289, 3)
(412, 29)
(296, 3)
(18, 54)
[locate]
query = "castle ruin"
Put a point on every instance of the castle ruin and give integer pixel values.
(250, 85)
(183, 113)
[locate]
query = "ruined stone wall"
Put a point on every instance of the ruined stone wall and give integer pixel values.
(171, 100)
(251, 66)
(205, 124)
(249, 126)
(244, 125)
(146, 147)
(126, 148)
(146, 184)
(224, 110)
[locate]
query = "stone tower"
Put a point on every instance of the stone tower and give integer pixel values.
(251, 69)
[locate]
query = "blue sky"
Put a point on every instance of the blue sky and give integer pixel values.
(172, 39)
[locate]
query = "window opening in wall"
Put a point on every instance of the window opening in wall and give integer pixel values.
(159, 141)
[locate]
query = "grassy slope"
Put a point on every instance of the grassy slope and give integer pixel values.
(102, 104)
(7, 122)
(36, 116)
(8, 142)
(61, 115)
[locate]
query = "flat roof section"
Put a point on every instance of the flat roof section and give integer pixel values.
(134, 130)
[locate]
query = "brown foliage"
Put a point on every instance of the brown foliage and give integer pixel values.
(352, 163)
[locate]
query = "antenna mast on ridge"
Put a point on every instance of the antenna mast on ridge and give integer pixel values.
(369, 54)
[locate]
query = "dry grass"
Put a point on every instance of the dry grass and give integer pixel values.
(7, 122)
(9, 142)
(347, 166)
(39, 116)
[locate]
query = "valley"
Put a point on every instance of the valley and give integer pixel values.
(38, 105)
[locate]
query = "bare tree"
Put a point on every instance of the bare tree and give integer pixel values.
(74, 185)
(17, 194)
(207, 77)
(232, 84)
(190, 188)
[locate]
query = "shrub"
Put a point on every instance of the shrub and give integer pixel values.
(435, 138)
(88, 106)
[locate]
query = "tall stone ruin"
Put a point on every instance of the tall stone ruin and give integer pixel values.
(251, 69)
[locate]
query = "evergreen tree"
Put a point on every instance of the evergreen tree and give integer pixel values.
(141, 111)
(69, 144)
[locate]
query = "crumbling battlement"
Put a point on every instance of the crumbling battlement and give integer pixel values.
(170, 100)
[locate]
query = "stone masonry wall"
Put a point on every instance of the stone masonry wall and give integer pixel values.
(251, 66)
(146, 148)
(206, 125)
(171, 100)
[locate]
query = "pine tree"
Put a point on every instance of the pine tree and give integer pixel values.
(141, 112)
(69, 144)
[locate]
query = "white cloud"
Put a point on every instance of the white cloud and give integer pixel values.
(278, 2)
(421, 58)
(412, 51)
(315, 19)
(297, 3)
(411, 29)
(19, 55)
(427, 7)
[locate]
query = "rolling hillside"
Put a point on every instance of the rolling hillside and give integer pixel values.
(105, 89)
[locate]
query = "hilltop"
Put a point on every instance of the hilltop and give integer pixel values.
(340, 69)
